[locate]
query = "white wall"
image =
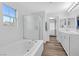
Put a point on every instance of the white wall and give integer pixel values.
(12, 33)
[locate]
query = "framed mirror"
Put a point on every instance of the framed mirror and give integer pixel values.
(78, 22)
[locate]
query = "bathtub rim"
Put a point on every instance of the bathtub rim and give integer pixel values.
(33, 48)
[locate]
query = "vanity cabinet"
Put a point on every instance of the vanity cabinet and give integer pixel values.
(70, 42)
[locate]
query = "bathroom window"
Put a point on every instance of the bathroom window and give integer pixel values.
(9, 14)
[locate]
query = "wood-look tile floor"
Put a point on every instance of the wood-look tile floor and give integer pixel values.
(53, 48)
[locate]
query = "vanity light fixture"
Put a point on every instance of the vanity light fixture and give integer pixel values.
(73, 5)
(51, 18)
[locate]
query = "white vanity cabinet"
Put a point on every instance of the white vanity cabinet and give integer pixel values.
(74, 45)
(70, 42)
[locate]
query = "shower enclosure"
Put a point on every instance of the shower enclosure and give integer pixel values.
(32, 27)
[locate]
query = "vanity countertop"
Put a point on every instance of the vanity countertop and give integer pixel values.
(69, 31)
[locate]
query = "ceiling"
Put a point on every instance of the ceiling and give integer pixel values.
(42, 6)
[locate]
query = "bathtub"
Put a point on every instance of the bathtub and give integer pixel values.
(23, 48)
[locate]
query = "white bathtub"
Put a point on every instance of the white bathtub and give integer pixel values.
(23, 48)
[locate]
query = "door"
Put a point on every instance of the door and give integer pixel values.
(52, 25)
(31, 27)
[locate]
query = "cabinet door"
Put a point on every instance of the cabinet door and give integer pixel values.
(74, 45)
(63, 39)
(60, 37)
(66, 43)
